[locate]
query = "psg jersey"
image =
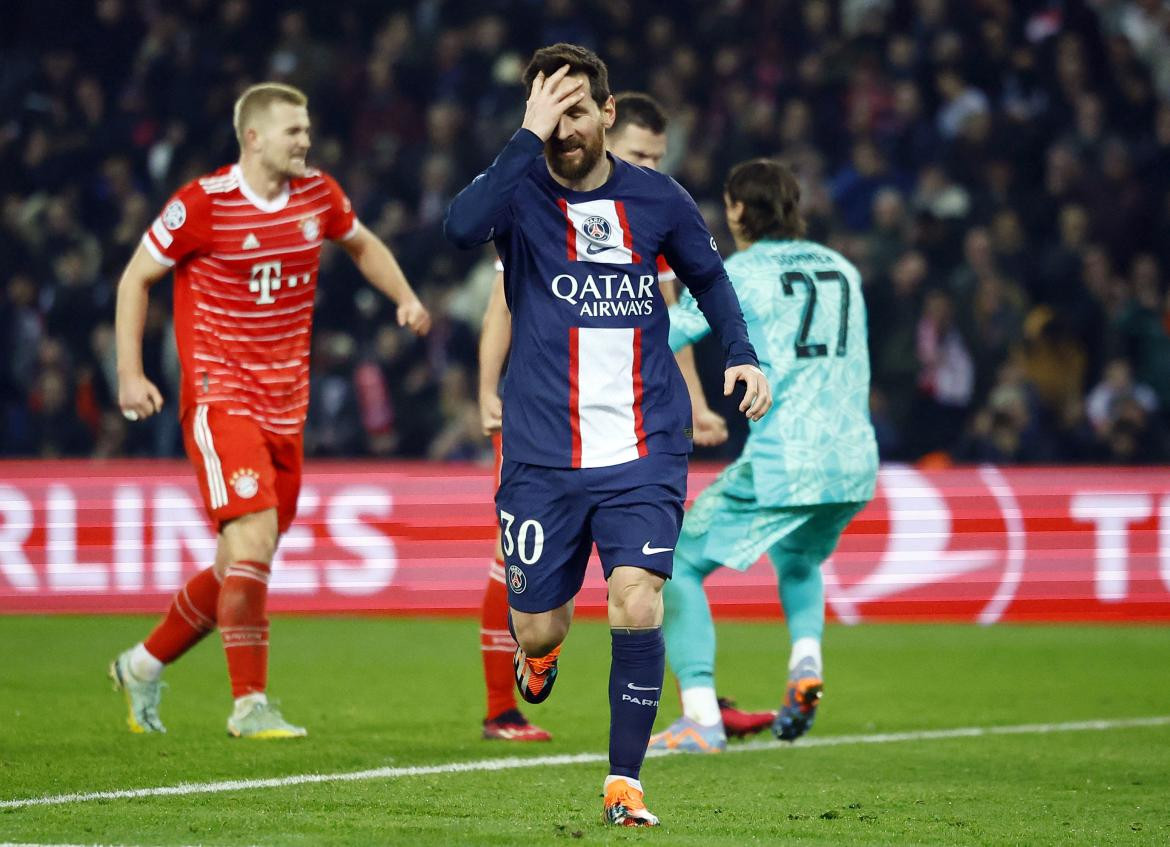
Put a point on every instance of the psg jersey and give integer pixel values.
(591, 379)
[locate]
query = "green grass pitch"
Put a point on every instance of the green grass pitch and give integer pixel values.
(401, 692)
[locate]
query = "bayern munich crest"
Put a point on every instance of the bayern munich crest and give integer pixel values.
(516, 580)
(311, 229)
(174, 215)
(246, 483)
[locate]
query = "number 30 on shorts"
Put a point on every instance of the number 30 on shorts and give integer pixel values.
(529, 540)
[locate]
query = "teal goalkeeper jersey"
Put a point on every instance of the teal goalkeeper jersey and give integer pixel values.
(806, 318)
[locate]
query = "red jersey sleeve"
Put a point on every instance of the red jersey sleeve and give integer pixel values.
(183, 227)
(341, 223)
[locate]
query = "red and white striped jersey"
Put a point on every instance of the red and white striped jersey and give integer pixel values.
(245, 279)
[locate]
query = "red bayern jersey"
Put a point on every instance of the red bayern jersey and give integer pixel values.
(245, 278)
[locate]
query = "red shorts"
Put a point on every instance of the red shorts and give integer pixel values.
(241, 467)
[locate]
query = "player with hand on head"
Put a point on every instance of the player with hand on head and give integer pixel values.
(638, 136)
(245, 244)
(595, 412)
(805, 470)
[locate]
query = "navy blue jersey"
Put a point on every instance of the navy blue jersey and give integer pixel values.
(591, 378)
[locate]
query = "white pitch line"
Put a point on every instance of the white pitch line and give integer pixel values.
(517, 762)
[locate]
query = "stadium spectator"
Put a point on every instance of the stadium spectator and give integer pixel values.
(1103, 405)
(1047, 126)
(946, 376)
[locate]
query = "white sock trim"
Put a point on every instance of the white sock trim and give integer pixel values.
(701, 705)
(245, 703)
(806, 648)
(143, 664)
(614, 777)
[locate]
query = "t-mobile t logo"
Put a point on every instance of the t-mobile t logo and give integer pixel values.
(266, 279)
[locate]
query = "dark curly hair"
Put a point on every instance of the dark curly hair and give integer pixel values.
(579, 59)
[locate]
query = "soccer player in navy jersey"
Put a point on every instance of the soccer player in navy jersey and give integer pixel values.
(596, 415)
(638, 136)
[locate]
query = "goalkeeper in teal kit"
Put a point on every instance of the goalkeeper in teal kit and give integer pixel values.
(808, 466)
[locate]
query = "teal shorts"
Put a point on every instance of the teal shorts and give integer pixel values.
(727, 525)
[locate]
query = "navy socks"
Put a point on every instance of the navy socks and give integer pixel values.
(635, 684)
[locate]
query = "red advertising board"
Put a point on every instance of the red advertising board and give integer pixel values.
(974, 544)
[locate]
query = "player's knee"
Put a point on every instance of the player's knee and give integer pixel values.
(253, 538)
(798, 569)
(636, 603)
(539, 639)
(539, 635)
(255, 549)
(535, 646)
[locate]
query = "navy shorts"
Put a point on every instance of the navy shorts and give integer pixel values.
(550, 519)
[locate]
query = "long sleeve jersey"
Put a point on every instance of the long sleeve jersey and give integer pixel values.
(806, 313)
(591, 378)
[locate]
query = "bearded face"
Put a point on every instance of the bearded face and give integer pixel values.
(573, 156)
(577, 144)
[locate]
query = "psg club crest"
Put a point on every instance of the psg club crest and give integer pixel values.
(516, 580)
(246, 483)
(174, 215)
(311, 229)
(598, 230)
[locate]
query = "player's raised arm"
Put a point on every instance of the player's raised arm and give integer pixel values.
(378, 265)
(138, 397)
(480, 211)
(494, 342)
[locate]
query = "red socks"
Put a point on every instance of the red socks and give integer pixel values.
(243, 625)
(238, 606)
(496, 645)
(192, 615)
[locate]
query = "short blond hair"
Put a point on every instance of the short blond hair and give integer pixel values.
(257, 98)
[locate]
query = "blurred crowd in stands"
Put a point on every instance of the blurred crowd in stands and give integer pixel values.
(999, 170)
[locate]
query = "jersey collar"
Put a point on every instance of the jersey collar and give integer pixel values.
(273, 205)
(603, 190)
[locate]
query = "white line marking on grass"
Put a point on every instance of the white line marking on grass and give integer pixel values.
(959, 732)
(518, 762)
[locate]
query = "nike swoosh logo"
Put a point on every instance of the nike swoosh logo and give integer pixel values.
(647, 550)
(594, 249)
(633, 687)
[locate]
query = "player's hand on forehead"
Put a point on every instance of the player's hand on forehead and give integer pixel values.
(553, 79)
(550, 98)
